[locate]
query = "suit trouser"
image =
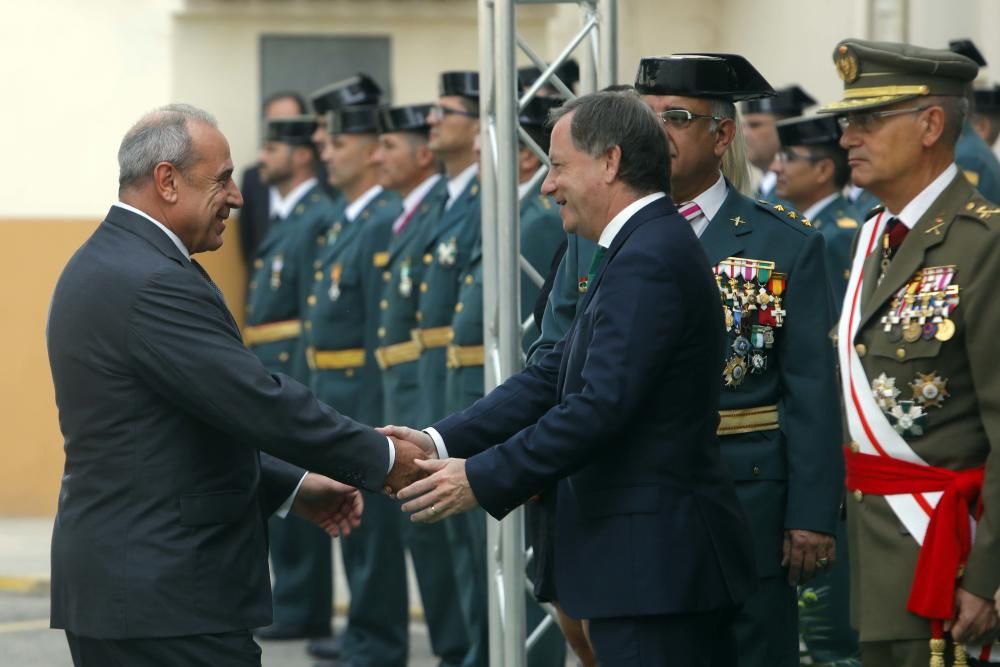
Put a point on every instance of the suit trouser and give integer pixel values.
(765, 627)
(374, 563)
(674, 640)
(303, 574)
(226, 649)
(836, 640)
(911, 653)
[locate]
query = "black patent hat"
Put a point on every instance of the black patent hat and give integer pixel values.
(721, 76)
(568, 73)
(987, 99)
(536, 111)
(353, 120)
(809, 131)
(358, 90)
(460, 84)
(790, 101)
(410, 118)
(294, 130)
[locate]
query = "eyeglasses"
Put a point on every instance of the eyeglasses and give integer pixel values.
(786, 156)
(681, 118)
(866, 122)
(439, 111)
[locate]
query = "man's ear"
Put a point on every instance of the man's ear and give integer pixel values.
(933, 124)
(612, 163)
(724, 136)
(165, 177)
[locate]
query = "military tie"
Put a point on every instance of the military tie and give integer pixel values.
(595, 262)
(895, 232)
(689, 210)
(403, 221)
(211, 283)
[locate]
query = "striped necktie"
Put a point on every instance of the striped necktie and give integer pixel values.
(211, 283)
(689, 210)
(595, 263)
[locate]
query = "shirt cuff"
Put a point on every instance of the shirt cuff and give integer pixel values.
(438, 442)
(286, 506)
(392, 454)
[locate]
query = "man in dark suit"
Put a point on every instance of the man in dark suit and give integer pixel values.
(159, 551)
(651, 544)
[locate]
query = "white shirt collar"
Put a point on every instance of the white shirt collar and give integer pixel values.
(173, 237)
(919, 205)
(283, 206)
(523, 189)
(617, 222)
(767, 182)
(458, 184)
(355, 207)
(813, 211)
(412, 200)
(709, 201)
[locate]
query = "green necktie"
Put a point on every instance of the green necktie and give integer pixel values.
(595, 262)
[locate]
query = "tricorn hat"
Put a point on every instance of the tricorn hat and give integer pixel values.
(355, 91)
(410, 118)
(461, 84)
(790, 101)
(809, 131)
(721, 76)
(295, 130)
(353, 120)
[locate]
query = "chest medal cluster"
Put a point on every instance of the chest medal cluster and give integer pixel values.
(920, 310)
(751, 292)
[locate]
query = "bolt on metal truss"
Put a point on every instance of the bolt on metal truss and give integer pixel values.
(499, 135)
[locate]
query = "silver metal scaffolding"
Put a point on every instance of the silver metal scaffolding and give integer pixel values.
(499, 107)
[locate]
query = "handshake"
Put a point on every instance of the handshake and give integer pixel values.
(434, 488)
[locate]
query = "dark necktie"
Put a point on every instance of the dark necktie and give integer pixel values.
(595, 262)
(211, 283)
(896, 231)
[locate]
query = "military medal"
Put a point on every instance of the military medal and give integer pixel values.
(582, 284)
(911, 332)
(333, 233)
(928, 330)
(335, 272)
(741, 346)
(447, 252)
(907, 418)
(735, 371)
(885, 392)
(929, 389)
(277, 264)
(945, 330)
(758, 363)
(405, 282)
(730, 319)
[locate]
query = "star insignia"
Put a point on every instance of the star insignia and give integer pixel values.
(779, 208)
(793, 215)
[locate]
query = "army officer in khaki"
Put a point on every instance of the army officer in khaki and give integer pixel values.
(916, 343)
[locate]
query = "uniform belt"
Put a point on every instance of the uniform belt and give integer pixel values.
(326, 360)
(271, 332)
(432, 337)
(400, 353)
(748, 420)
(465, 355)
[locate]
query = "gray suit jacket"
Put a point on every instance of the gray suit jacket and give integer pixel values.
(161, 523)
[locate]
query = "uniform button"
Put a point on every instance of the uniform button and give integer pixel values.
(321, 240)
(862, 350)
(419, 316)
(308, 325)
(258, 264)
(318, 276)
(858, 495)
(469, 280)
(253, 284)
(283, 356)
(387, 276)
(855, 447)
(381, 332)
(900, 353)
(311, 300)
(318, 264)
(349, 372)
(459, 307)
(756, 471)
(428, 258)
(383, 304)
(423, 288)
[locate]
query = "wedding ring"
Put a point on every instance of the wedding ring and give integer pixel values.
(434, 510)
(822, 562)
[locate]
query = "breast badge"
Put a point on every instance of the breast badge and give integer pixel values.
(922, 308)
(751, 293)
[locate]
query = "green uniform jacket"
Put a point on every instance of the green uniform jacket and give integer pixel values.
(279, 282)
(541, 233)
(447, 251)
(400, 292)
(342, 310)
(960, 229)
(838, 223)
(791, 477)
(979, 163)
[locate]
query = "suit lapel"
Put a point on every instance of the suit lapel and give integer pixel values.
(136, 224)
(724, 237)
(929, 231)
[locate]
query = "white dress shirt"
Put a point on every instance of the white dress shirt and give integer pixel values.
(354, 209)
(709, 201)
(459, 183)
(919, 205)
(412, 200)
(283, 206)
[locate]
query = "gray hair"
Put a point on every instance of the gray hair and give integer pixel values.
(956, 110)
(607, 119)
(162, 135)
(735, 166)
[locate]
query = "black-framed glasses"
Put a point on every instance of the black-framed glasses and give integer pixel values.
(681, 118)
(786, 156)
(867, 120)
(439, 111)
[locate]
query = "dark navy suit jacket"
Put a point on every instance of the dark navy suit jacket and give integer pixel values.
(623, 413)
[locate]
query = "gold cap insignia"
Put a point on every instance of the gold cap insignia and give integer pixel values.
(847, 64)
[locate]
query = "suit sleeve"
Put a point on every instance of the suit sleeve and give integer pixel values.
(982, 575)
(278, 480)
(635, 328)
(809, 403)
(182, 346)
